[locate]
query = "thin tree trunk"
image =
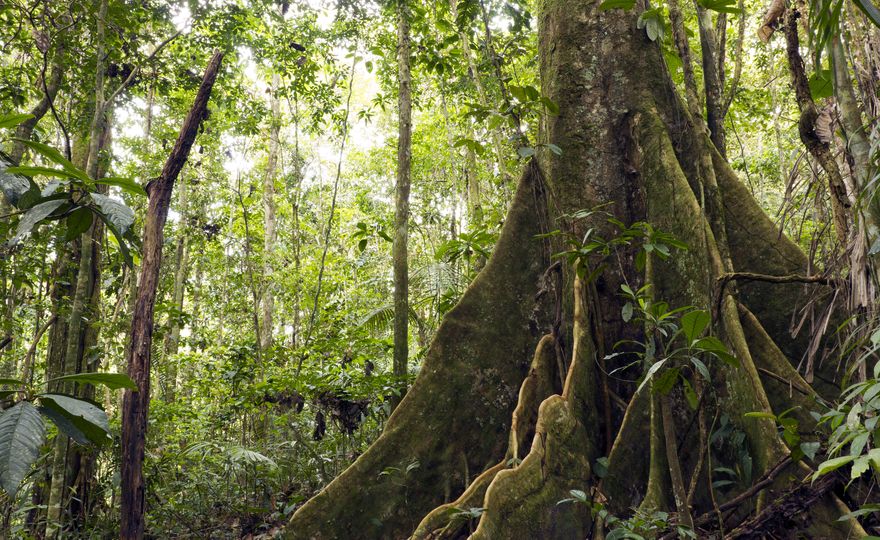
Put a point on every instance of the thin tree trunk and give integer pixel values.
(135, 405)
(84, 303)
(181, 271)
(270, 235)
(401, 218)
(473, 69)
(819, 149)
(711, 79)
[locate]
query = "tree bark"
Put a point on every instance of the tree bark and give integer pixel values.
(135, 405)
(819, 149)
(270, 235)
(401, 218)
(181, 271)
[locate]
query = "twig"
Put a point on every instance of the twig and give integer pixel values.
(29, 357)
(137, 69)
(724, 279)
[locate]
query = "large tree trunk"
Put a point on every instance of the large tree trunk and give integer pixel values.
(629, 144)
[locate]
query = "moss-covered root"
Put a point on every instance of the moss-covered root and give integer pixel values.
(456, 418)
(538, 386)
(447, 521)
(523, 502)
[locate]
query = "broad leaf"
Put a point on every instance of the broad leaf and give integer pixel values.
(41, 171)
(78, 222)
(33, 216)
(12, 120)
(54, 155)
(870, 10)
(821, 84)
(832, 465)
(21, 434)
(113, 381)
(617, 4)
(693, 323)
(12, 185)
(117, 213)
(651, 371)
(80, 420)
(126, 184)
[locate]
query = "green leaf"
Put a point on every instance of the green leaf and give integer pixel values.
(12, 120)
(525, 151)
(54, 155)
(821, 84)
(80, 420)
(41, 171)
(721, 6)
(113, 381)
(126, 184)
(870, 10)
(11, 382)
(810, 448)
(651, 371)
(552, 107)
(690, 394)
(832, 465)
(21, 435)
(617, 4)
(860, 467)
(555, 149)
(33, 216)
(621, 534)
(117, 213)
(12, 185)
(518, 92)
(665, 382)
(701, 367)
(862, 511)
(693, 323)
(759, 414)
(627, 312)
(713, 345)
(78, 222)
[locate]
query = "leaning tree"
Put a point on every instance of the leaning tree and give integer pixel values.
(519, 397)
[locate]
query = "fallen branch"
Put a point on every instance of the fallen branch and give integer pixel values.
(785, 508)
(763, 482)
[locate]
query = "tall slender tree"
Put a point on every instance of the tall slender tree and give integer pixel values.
(400, 250)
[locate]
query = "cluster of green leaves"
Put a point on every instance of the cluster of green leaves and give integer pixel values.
(476, 243)
(674, 339)
(588, 253)
(789, 430)
(640, 526)
(73, 196)
(22, 428)
(854, 429)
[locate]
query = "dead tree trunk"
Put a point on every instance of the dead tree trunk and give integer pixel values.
(135, 405)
